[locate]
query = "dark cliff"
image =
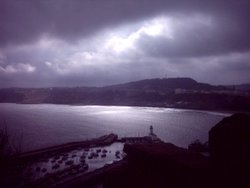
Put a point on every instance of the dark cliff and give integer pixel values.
(229, 141)
(160, 165)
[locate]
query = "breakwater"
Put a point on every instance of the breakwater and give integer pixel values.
(63, 164)
(45, 152)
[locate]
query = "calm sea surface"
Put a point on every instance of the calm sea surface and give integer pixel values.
(41, 125)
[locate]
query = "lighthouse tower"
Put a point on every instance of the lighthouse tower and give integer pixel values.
(151, 130)
(153, 136)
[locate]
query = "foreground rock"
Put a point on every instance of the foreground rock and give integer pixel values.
(229, 141)
(229, 144)
(160, 165)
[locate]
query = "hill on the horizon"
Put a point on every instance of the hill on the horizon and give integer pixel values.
(166, 92)
(165, 84)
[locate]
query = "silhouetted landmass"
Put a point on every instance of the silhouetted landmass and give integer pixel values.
(166, 165)
(171, 92)
(229, 141)
(242, 87)
(11, 95)
(166, 85)
(229, 145)
(160, 165)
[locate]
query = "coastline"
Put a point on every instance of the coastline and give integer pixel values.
(228, 112)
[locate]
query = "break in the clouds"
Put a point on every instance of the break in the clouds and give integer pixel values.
(77, 43)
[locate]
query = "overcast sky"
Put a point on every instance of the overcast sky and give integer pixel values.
(47, 43)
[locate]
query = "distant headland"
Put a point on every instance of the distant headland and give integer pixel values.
(166, 92)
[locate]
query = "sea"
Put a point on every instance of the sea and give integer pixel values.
(35, 126)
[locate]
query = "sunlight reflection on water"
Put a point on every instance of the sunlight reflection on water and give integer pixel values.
(43, 125)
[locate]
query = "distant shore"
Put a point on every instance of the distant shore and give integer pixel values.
(229, 112)
(150, 106)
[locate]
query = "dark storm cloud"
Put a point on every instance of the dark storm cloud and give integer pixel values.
(25, 20)
(199, 39)
(62, 42)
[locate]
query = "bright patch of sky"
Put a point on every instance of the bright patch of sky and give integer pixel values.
(154, 28)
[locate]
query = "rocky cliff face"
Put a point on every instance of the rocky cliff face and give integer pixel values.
(229, 141)
(229, 144)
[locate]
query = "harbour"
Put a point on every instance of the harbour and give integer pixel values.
(86, 160)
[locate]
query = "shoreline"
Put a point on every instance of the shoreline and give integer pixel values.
(228, 112)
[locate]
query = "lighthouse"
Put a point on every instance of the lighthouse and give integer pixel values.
(151, 130)
(152, 135)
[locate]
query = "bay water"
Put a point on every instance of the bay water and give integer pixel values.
(34, 126)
